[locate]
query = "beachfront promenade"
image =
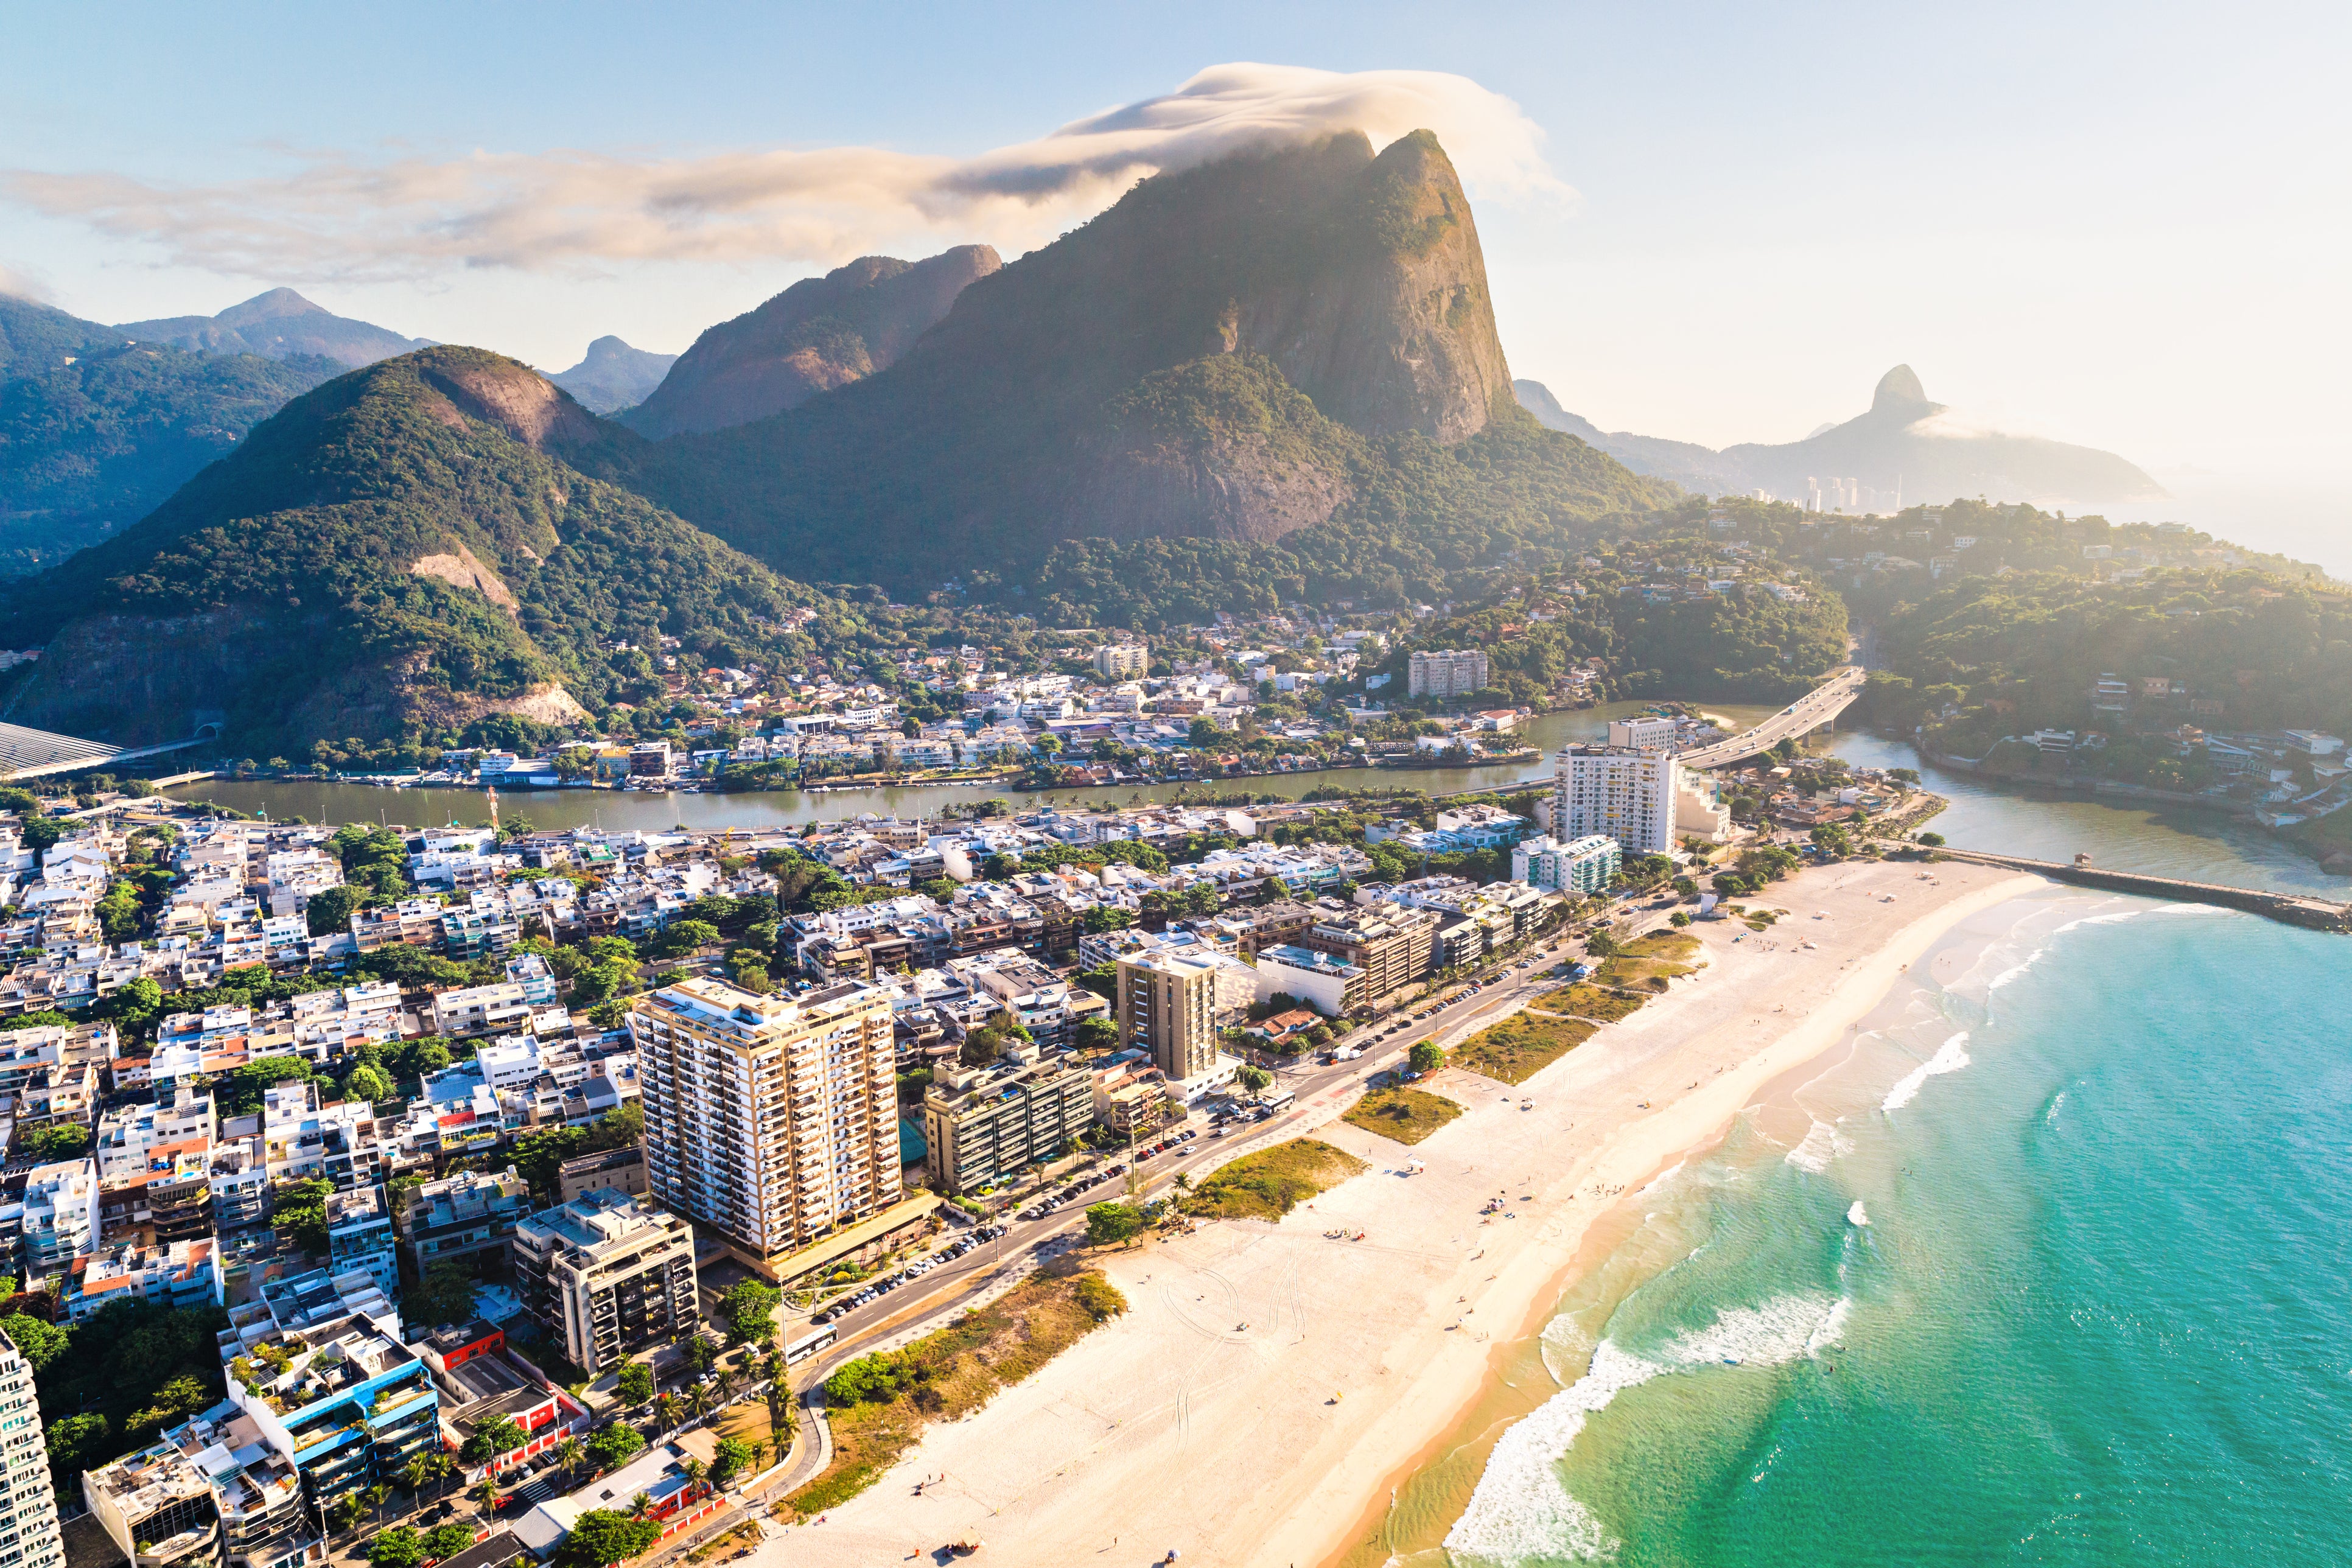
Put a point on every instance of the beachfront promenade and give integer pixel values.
(2294, 909)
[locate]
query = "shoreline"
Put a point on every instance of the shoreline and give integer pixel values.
(1687, 1129)
(1361, 1365)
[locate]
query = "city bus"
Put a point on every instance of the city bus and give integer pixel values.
(808, 1346)
(1277, 1099)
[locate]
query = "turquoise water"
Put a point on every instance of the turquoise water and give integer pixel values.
(2054, 1269)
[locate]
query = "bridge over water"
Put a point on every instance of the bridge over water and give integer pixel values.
(27, 753)
(1816, 708)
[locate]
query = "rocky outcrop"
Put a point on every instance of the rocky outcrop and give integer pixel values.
(818, 334)
(613, 376)
(462, 569)
(515, 398)
(1398, 332)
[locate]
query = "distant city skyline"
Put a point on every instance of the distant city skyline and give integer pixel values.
(2096, 223)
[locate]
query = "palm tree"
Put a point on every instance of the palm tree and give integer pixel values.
(485, 1493)
(725, 1379)
(758, 1448)
(693, 1471)
(376, 1495)
(416, 1472)
(569, 1453)
(642, 1505)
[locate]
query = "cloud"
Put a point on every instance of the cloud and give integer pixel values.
(338, 217)
(17, 284)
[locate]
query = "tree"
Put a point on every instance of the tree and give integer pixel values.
(611, 1448)
(61, 1141)
(1098, 1035)
(299, 1209)
(1601, 945)
(368, 1082)
(734, 1457)
(748, 1310)
(1933, 841)
(445, 1540)
(569, 1453)
(485, 1493)
(330, 909)
(1425, 1057)
(1105, 917)
(603, 1536)
(1111, 1223)
(487, 1443)
(1254, 1078)
(682, 937)
(346, 1512)
(635, 1384)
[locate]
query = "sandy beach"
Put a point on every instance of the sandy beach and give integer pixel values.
(1268, 1387)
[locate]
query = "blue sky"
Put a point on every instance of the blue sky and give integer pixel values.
(2118, 224)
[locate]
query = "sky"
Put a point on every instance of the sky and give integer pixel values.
(2123, 226)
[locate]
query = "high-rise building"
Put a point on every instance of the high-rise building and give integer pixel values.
(1444, 673)
(344, 1400)
(607, 1273)
(1619, 794)
(358, 1237)
(29, 1508)
(979, 1123)
(1168, 1005)
(1648, 733)
(773, 1119)
(210, 1494)
(1122, 661)
(1394, 945)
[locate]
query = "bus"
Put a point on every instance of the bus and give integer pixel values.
(1277, 1099)
(808, 1346)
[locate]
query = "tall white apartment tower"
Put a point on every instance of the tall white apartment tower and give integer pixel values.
(28, 1508)
(772, 1120)
(1647, 733)
(1618, 793)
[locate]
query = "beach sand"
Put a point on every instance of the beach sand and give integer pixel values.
(1268, 1387)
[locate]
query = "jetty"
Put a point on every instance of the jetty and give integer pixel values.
(2293, 909)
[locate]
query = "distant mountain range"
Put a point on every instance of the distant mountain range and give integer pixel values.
(96, 430)
(1273, 374)
(279, 324)
(1905, 447)
(614, 375)
(820, 333)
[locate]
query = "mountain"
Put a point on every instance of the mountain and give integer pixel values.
(397, 553)
(1905, 445)
(1686, 463)
(820, 333)
(280, 324)
(1234, 353)
(93, 445)
(614, 375)
(37, 338)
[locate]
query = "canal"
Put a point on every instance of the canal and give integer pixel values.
(283, 799)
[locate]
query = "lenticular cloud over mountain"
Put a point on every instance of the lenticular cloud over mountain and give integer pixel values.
(339, 217)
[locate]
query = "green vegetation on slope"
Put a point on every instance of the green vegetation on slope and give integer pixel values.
(307, 536)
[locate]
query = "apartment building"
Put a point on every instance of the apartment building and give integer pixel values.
(1586, 865)
(1122, 661)
(473, 1211)
(210, 1492)
(1446, 673)
(982, 1123)
(609, 1274)
(772, 1119)
(1650, 733)
(28, 1508)
(343, 1401)
(1395, 946)
(1626, 796)
(180, 1274)
(358, 1238)
(1167, 1004)
(614, 1170)
(60, 1216)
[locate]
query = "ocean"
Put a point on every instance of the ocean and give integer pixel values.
(2052, 1267)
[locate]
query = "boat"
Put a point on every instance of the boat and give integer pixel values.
(1731, 1361)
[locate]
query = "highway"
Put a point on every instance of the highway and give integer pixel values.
(1816, 708)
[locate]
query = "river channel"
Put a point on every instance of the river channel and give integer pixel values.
(633, 810)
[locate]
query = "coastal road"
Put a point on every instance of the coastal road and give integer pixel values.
(1816, 708)
(925, 1303)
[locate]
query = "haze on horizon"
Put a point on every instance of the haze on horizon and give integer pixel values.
(2105, 224)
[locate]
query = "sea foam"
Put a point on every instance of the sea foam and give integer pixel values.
(1821, 1144)
(1950, 1056)
(1519, 1509)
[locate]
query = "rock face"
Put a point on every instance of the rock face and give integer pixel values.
(279, 324)
(614, 376)
(1686, 463)
(1356, 281)
(820, 333)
